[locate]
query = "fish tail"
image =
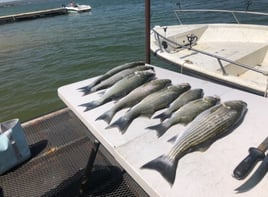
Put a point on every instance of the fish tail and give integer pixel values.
(107, 116)
(90, 105)
(165, 166)
(122, 124)
(86, 90)
(163, 116)
(160, 129)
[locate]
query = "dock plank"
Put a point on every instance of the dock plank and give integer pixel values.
(32, 15)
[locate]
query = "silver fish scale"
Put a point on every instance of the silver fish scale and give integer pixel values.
(127, 83)
(206, 127)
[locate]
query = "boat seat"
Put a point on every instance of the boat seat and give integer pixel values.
(250, 54)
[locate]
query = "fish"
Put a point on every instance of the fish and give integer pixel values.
(134, 97)
(150, 104)
(116, 77)
(180, 101)
(111, 73)
(121, 88)
(212, 124)
(186, 113)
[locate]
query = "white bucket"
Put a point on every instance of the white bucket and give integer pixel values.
(13, 146)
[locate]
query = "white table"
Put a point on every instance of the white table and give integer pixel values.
(199, 174)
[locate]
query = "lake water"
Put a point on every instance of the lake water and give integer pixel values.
(39, 56)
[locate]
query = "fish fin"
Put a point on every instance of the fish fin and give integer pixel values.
(148, 112)
(160, 129)
(116, 99)
(165, 166)
(162, 116)
(101, 93)
(122, 124)
(129, 109)
(203, 149)
(107, 116)
(90, 105)
(173, 139)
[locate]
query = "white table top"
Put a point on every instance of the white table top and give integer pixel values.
(199, 174)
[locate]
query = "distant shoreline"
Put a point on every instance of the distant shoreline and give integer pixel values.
(8, 2)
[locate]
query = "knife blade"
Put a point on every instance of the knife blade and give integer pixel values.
(255, 155)
(255, 178)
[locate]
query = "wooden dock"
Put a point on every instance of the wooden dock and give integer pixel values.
(32, 15)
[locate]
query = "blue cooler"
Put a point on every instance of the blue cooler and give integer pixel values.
(13, 145)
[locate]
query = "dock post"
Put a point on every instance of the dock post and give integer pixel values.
(147, 30)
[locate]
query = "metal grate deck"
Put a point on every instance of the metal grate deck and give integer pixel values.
(60, 145)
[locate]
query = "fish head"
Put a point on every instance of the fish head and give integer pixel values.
(237, 105)
(147, 67)
(183, 87)
(145, 74)
(212, 99)
(161, 82)
(237, 110)
(199, 91)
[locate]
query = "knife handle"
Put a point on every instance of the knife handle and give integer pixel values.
(245, 166)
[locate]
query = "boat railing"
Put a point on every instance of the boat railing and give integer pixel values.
(164, 42)
(233, 13)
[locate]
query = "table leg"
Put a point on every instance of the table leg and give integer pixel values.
(88, 169)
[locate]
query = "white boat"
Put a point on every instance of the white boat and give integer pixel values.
(75, 7)
(231, 53)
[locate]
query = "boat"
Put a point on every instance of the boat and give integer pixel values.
(75, 7)
(232, 53)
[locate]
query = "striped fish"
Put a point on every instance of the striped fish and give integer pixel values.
(115, 78)
(121, 88)
(150, 104)
(186, 113)
(183, 99)
(134, 97)
(111, 73)
(207, 127)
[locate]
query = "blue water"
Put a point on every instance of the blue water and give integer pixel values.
(39, 56)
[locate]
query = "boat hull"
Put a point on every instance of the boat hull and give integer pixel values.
(172, 45)
(78, 8)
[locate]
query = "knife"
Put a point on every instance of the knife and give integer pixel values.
(255, 155)
(255, 178)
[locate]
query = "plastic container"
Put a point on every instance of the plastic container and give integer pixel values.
(13, 145)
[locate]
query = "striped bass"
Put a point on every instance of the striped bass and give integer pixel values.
(149, 105)
(186, 113)
(207, 127)
(180, 101)
(134, 97)
(121, 88)
(116, 77)
(112, 72)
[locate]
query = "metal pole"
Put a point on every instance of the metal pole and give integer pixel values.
(88, 168)
(147, 31)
